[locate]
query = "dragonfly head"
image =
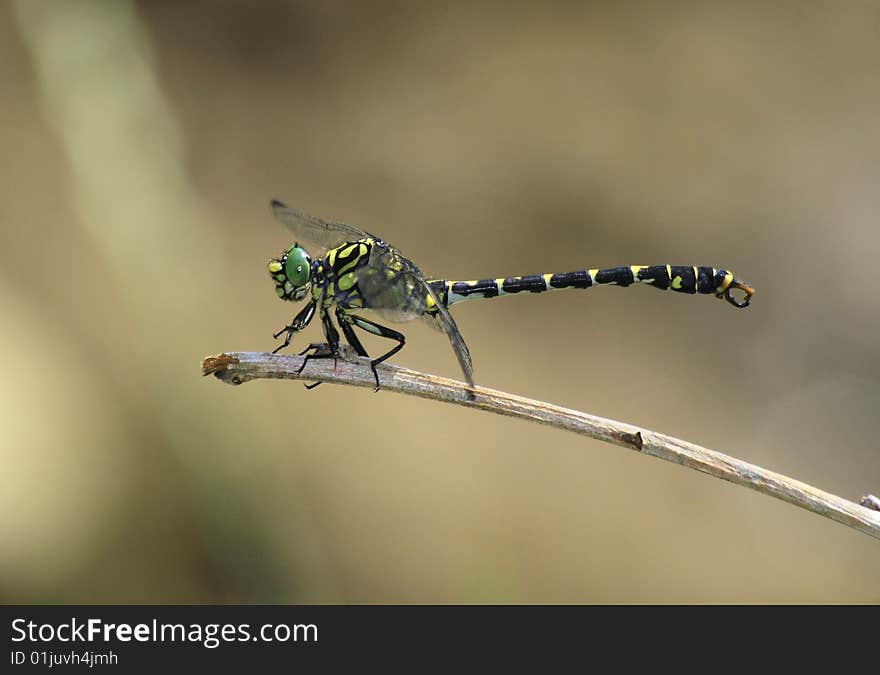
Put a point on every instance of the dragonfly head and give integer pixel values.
(292, 273)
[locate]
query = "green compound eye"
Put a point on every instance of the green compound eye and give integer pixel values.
(298, 266)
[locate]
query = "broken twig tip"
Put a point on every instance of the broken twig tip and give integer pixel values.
(217, 365)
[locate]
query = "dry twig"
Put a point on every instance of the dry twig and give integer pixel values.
(240, 367)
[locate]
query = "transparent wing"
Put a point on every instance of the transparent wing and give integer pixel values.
(394, 287)
(448, 325)
(310, 229)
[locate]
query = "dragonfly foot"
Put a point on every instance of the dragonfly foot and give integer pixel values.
(376, 376)
(290, 330)
(321, 350)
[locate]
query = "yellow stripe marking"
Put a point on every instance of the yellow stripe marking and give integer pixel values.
(354, 261)
(346, 281)
(275, 266)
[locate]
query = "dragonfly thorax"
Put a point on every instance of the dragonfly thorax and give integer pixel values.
(292, 273)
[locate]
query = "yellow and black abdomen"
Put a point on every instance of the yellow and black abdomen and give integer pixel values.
(679, 278)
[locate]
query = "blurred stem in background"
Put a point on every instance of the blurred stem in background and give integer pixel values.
(96, 71)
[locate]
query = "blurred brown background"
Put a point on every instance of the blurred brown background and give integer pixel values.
(141, 145)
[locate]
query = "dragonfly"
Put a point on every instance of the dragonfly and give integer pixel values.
(355, 270)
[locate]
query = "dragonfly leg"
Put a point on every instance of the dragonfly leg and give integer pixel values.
(291, 329)
(321, 350)
(299, 322)
(379, 330)
(349, 333)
